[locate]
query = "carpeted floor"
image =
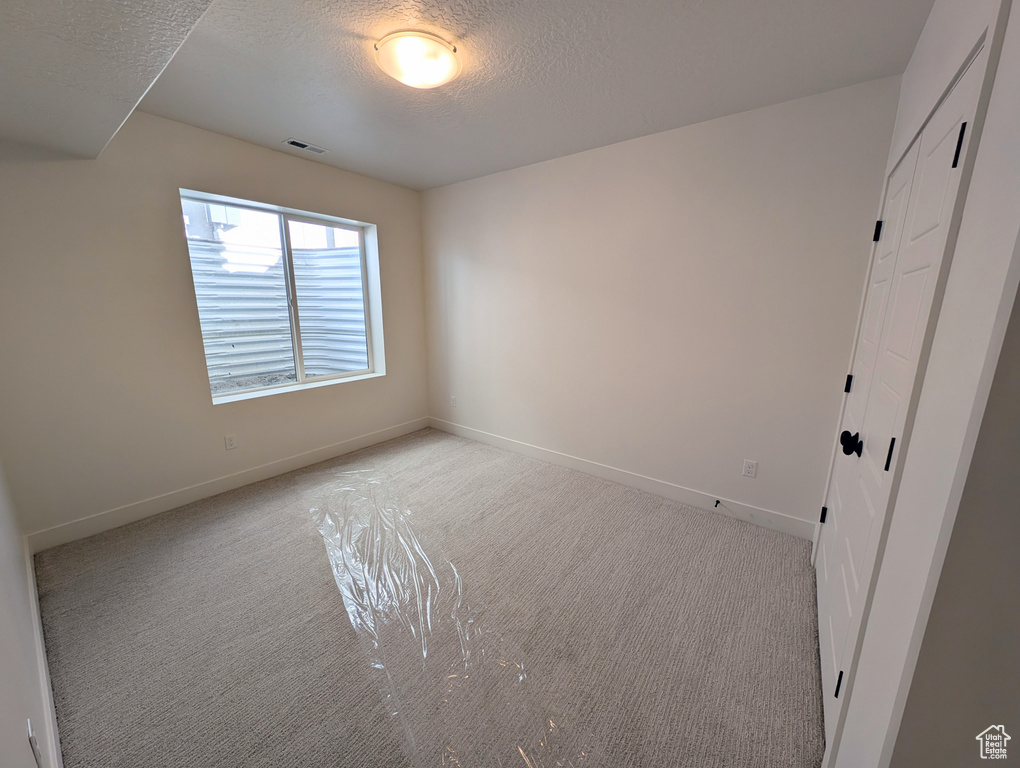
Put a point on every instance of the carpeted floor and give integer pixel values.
(521, 615)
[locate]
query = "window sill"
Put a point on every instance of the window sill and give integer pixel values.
(253, 393)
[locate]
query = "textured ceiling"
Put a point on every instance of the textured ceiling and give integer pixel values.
(542, 78)
(72, 72)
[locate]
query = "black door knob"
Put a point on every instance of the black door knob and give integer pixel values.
(851, 443)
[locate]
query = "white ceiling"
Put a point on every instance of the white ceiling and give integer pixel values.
(542, 78)
(72, 71)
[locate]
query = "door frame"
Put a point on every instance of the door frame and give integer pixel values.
(991, 51)
(980, 297)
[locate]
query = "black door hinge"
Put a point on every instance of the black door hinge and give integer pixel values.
(839, 682)
(849, 382)
(959, 145)
(825, 513)
(888, 458)
(878, 231)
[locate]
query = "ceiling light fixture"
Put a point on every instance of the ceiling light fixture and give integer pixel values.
(418, 59)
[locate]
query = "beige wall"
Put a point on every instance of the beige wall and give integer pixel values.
(104, 397)
(670, 305)
(968, 667)
(21, 688)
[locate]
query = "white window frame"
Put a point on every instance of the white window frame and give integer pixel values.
(370, 285)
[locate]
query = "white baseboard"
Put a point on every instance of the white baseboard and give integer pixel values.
(129, 513)
(766, 518)
(46, 732)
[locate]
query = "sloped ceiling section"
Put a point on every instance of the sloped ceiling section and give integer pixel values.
(71, 71)
(542, 78)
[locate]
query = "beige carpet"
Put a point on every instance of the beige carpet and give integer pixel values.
(520, 615)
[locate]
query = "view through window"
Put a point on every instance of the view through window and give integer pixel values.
(282, 296)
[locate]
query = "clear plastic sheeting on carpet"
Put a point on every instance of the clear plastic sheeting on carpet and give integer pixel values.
(452, 684)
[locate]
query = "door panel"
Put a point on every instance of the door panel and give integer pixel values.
(935, 177)
(835, 545)
(910, 296)
(894, 215)
(921, 195)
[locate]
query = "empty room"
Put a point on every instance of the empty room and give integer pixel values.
(580, 383)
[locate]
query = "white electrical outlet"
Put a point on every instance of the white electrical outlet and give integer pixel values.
(453, 401)
(34, 744)
(230, 442)
(750, 468)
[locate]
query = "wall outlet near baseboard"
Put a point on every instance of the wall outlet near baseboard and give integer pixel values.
(750, 468)
(453, 401)
(229, 442)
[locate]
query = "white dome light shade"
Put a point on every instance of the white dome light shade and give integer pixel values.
(417, 59)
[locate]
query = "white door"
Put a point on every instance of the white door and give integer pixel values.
(920, 199)
(837, 582)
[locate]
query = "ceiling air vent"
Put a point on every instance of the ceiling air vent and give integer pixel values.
(298, 144)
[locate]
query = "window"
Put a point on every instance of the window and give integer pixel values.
(286, 299)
